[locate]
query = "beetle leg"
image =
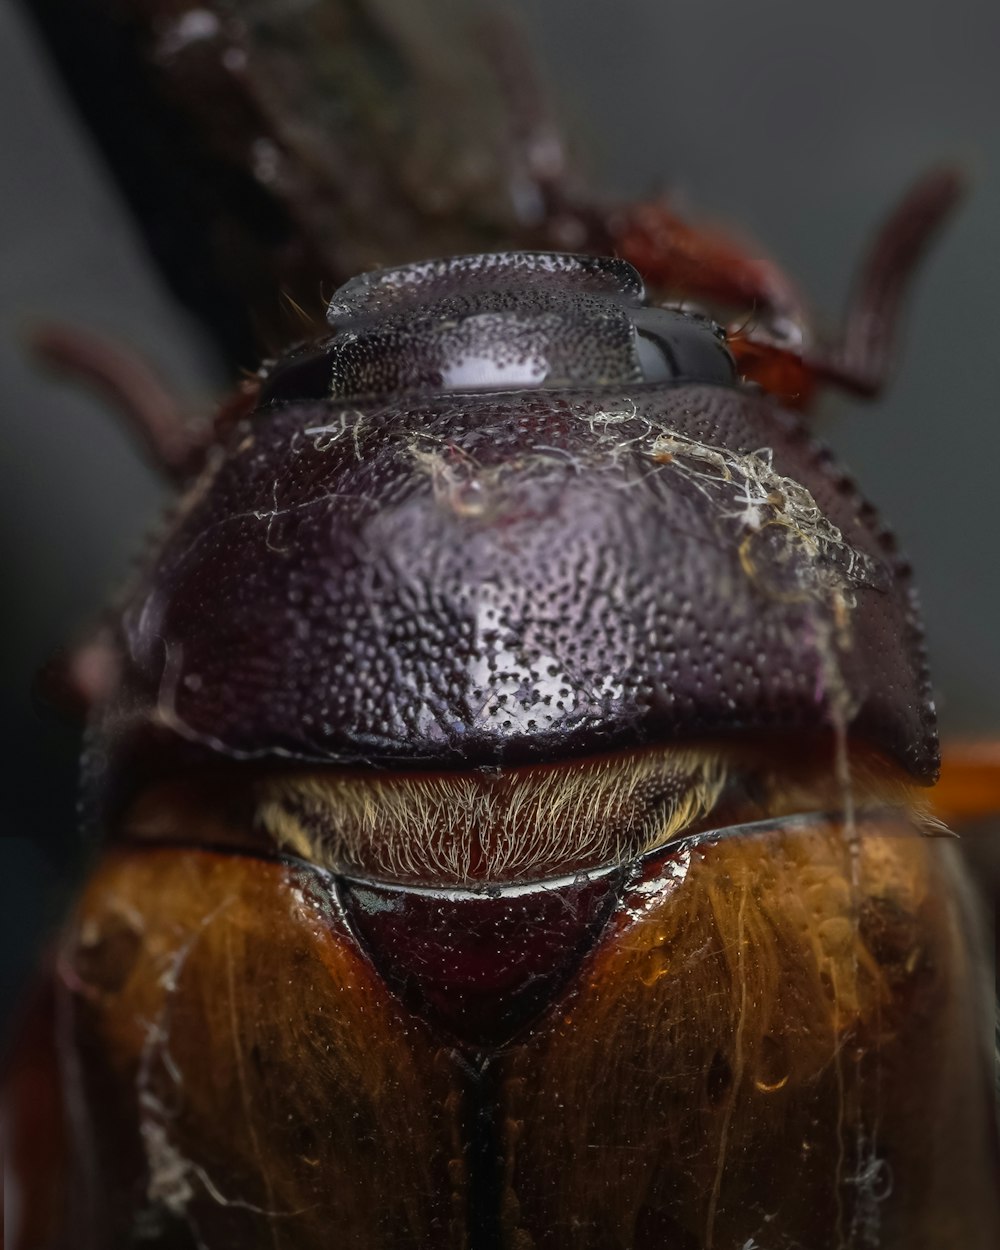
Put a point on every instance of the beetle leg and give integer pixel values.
(860, 362)
(864, 356)
(175, 445)
(33, 1127)
(969, 787)
(968, 794)
(781, 372)
(76, 680)
(704, 264)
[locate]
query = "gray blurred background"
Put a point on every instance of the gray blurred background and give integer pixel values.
(798, 123)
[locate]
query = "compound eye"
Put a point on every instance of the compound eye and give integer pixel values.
(678, 347)
(302, 374)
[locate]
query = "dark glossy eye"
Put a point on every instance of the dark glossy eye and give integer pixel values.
(504, 322)
(676, 347)
(303, 374)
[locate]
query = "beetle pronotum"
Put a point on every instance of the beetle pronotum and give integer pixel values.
(508, 755)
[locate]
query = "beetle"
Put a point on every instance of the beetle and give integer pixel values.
(578, 446)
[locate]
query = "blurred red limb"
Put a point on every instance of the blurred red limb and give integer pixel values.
(174, 445)
(776, 347)
(969, 787)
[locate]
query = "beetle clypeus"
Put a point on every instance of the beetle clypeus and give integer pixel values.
(509, 766)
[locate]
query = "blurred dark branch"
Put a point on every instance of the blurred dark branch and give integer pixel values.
(268, 150)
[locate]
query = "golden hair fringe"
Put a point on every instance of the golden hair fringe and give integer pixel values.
(526, 823)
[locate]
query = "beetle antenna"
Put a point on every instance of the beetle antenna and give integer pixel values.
(173, 444)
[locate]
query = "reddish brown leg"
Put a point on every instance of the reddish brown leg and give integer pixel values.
(862, 359)
(174, 445)
(969, 789)
(78, 678)
(775, 349)
(34, 1129)
(703, 264)
(782, 372)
